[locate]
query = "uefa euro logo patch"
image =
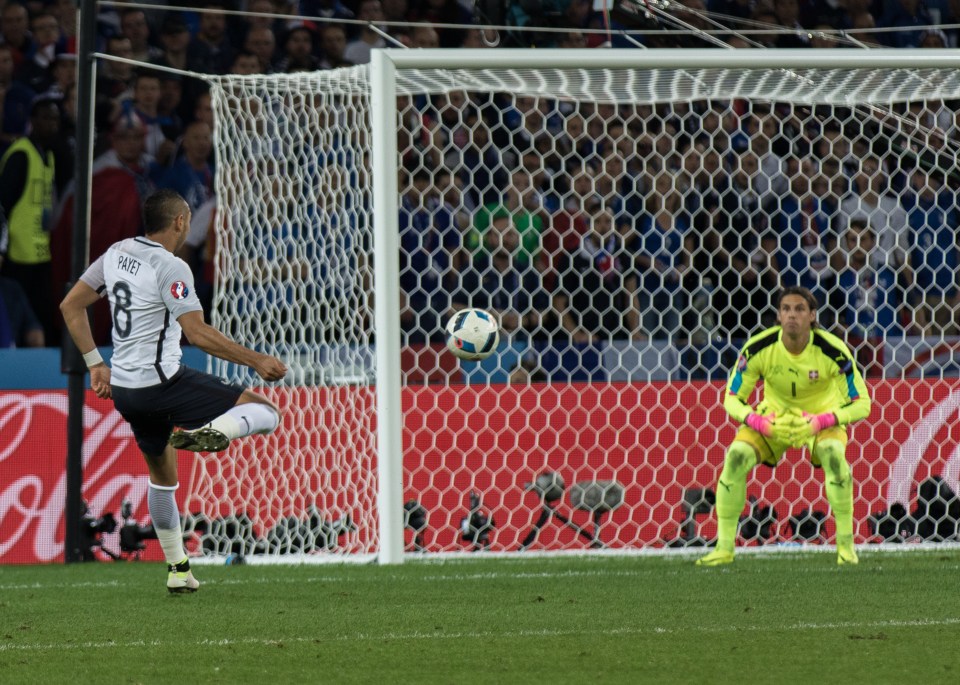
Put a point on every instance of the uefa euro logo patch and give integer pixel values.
(179, 290)
(742, 364)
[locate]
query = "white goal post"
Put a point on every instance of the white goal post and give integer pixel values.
(588, 450)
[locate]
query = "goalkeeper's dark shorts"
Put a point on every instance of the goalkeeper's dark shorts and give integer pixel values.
(770, 451)
(188, 399)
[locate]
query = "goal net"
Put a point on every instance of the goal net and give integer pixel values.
(628, 216)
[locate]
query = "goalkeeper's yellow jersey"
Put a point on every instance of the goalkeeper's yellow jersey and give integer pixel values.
(822, 378)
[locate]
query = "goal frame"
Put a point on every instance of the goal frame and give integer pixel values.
(384, 65)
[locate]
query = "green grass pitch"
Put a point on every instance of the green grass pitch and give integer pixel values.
(788, 618)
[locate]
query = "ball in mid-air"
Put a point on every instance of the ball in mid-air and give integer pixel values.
(472, 334)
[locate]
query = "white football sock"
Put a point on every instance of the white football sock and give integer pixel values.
(166, 521)
(246, 419)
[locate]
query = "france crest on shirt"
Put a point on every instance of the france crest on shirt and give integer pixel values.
(179, 290)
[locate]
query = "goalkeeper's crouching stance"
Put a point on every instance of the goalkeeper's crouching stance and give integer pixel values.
(811, 390)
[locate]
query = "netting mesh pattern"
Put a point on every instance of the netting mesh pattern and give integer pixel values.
(630, 230)
(645, 86)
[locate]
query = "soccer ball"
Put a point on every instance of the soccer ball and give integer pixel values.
(472, 334)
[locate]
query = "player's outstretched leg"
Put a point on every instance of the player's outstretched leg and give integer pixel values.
(838, 483)
(247, 418)
(166, 522)
(731, 496)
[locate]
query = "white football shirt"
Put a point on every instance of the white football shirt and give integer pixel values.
(149, 289)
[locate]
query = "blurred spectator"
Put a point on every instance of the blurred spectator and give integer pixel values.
(35, 69)
(245, 64)
(115, 79)
(572, 143)
(932, 216)
(253, 21)
(203, 109)
(66, 13)
(65, 143)
(497, 281)
(617, 190)
(426, 246)
(904, 14)
(358, 50)
(298, 51)
(424, 37)
(168, 108)
(869, 199)
(569, 224)
(867, 298)
(210, 51)
(262, 42)
(482, 164)
(333, 43)
(120, 183)
(19, 326)
(596, 294)
(64, 74)
(191, 175)
(453, 208)
(15, 30)
(702, 183)
(133, 25)
(448, 133)
(763, 129)
(15, 99)
(443, 12)
(26, 197)
(175, 39)
(747, 276)
(803, 231)
(519, 202)
(145, 104)
(662, 258)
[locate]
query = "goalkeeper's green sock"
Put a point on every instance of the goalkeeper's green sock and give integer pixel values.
(838, 484)
(732, 492)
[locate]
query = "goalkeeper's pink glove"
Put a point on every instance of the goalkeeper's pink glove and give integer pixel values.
(814, 423)
(762, 424)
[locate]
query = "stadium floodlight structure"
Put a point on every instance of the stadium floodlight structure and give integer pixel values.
(333, 186)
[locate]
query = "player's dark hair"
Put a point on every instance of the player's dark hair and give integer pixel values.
(802, 292)
(160, 210)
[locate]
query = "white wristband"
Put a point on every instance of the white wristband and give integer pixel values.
(92, 358)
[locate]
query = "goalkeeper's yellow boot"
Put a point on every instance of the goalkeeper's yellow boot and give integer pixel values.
(847, 555)
(180, 578)
(717, 557)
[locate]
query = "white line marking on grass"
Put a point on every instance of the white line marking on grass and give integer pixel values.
(748, 568)
(514, 634)
(61, 586)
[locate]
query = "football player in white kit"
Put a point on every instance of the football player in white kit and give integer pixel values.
(153, 301)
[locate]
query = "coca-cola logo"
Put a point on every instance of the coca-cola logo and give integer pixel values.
(33, 470)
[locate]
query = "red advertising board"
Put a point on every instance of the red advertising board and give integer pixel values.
(654, 439)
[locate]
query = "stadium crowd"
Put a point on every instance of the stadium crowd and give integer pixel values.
(585, 224)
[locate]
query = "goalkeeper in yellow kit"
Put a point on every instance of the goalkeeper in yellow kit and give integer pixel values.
(811, 390)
